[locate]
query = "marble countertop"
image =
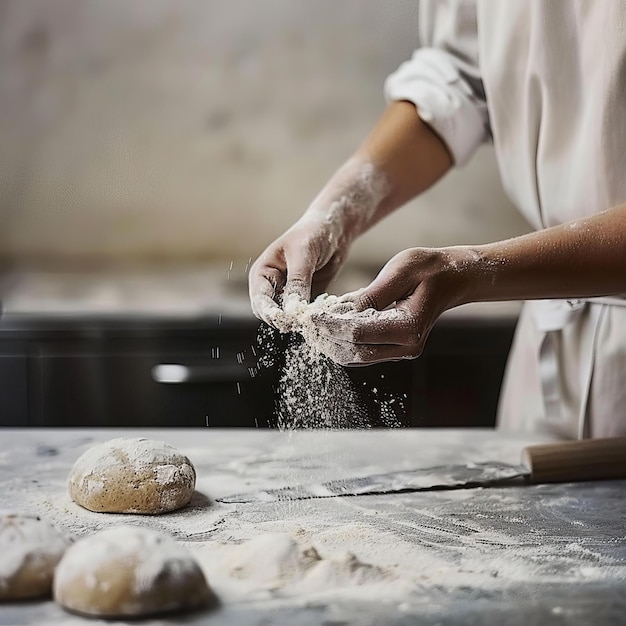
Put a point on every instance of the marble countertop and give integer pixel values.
(540, 554)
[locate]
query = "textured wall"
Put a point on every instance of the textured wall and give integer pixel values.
(202, 128)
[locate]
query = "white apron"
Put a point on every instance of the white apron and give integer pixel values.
(566, 374)
(545, 80)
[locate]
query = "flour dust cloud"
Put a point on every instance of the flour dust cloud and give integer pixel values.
(313, 391)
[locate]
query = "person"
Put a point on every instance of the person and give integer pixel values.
(545, 81)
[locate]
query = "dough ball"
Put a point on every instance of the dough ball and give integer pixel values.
(30, 549)
(129, 475)
(129, 571)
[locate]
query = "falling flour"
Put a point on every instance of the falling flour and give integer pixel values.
(313, 390)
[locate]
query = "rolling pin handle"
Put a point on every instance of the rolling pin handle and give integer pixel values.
(576, 461)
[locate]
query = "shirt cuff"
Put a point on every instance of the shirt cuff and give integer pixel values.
(444, 100)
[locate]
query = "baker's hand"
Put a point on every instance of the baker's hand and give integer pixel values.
(391, 318)
(300, 263)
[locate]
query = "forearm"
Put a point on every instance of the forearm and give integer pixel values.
(580, 259)
(408, 152)
(401, 158)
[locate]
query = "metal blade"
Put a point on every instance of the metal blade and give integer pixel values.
(444, 477)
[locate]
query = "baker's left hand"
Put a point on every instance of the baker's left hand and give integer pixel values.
(391, 318)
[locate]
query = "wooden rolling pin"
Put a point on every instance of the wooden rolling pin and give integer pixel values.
(575, 461)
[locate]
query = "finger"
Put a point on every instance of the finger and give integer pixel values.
(263, 286)
(351, 296)
(321, 279)
(388, 287)
(354, 355)
(396, 326)
(267, 310)
(299, 277)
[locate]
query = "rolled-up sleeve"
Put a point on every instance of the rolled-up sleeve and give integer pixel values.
(443, 79)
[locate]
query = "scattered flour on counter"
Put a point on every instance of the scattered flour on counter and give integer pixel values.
(277, 565)
(270, 560)
(295, 553)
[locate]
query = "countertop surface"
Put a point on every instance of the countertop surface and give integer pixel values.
(544, 554)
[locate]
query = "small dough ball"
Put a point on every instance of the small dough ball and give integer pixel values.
(130, 475)
(128, 571)
(30, 549)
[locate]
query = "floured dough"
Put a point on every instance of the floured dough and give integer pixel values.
(129, 571)
(129, 475)
(30, 548)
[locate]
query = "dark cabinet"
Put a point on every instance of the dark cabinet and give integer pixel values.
(137, 373)
(121, 390)
(456, 382)
(13, 386)
(169, 372)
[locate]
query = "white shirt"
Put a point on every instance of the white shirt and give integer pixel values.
(545, 80)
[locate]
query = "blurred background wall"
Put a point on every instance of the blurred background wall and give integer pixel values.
(200, 129)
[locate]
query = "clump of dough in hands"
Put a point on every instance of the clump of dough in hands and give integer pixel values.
(30, 549)
(132, 475)
(297, 315)
(334, 337)
(130, 571)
